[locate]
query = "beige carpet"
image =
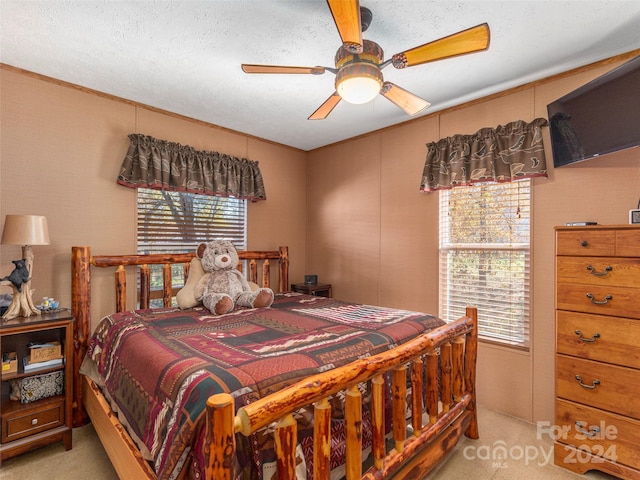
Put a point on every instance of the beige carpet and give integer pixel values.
(528, 457)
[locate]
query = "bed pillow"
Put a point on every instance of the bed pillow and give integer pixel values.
(185, 296)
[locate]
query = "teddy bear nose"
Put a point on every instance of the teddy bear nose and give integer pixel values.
(225, 259)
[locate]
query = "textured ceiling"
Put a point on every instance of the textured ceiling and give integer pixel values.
(185, 56)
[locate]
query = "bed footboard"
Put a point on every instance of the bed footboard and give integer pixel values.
(442, 407)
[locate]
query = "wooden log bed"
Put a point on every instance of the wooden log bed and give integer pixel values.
(432, 390)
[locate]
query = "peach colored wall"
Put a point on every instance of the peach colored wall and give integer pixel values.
(374, 236)
(60, 152)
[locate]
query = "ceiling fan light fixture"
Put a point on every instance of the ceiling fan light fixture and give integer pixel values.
(359, 78)
(359, 83)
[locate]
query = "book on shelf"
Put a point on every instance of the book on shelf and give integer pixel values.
(33, 366)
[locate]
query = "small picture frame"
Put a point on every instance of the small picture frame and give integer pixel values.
(634, 216)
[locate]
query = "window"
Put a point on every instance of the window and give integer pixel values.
(485, 258)
(176, 222)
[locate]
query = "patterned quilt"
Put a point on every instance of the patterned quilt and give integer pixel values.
(157, 367)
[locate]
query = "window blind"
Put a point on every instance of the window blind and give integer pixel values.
(485, 257)
(176, 222)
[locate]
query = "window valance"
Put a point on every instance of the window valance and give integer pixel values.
(502, 154)
(164, 165)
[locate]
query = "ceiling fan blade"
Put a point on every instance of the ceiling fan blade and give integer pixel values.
(325, 109)
(248, 68)
(473, 39)
(407, 101)
(346, 15)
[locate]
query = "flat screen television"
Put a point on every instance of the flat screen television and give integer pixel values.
(600, 117)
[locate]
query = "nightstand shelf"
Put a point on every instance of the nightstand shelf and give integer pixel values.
(25, 426)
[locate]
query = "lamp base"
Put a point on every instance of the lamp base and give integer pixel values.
(21, 304)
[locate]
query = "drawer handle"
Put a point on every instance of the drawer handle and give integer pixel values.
(584, 243)
(593, 385)
(593, 338)
(599, 274)
(34, 421)
(599, 302)
(594, 431)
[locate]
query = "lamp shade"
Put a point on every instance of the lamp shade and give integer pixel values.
(25, 230)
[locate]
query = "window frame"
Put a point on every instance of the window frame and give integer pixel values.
(199, 232)
(518, 327)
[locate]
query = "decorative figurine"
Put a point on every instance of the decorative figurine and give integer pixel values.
(19, 275)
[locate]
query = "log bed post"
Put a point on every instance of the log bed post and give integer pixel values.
(378, 446)
(470, 360)
(145, 286)
(399, 405)
(353, 424)
(283, 264)
(432, 386)
(445, 370)
(121, 289)
(416, 395)
(220, 444)
(321, 439)
(81, 308)
(286, 436)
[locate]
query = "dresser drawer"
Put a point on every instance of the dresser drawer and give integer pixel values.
(601, 385)
(601, 300)
(621, 242)
(602, 338)
(623, 272)
(617, 438)
(25, 422)
(599, 243)
(628, 243)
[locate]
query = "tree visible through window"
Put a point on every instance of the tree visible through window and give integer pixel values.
(485, 257)
(176, 222)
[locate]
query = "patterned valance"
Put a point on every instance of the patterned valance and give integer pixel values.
(502, 154)
(164, 165)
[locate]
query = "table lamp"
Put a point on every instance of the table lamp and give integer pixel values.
(25, 230)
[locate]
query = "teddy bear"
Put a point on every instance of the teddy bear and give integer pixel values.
(222, 287)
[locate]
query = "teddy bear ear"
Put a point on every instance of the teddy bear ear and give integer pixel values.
(200, 250)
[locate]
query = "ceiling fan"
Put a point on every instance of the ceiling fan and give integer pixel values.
(359, 62)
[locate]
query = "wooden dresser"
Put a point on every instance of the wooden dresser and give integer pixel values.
(597, 406)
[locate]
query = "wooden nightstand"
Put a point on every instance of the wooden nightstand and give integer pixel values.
(25, 426)
(319, 289)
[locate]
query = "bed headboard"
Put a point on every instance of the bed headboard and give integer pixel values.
(259, 265)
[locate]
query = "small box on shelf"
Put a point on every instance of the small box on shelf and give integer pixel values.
(43, 352)
(9, 363)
